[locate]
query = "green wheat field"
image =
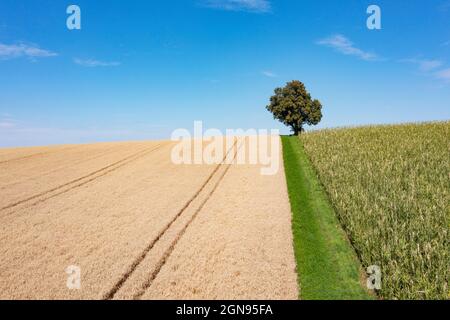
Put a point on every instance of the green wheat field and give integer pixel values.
(389, 186)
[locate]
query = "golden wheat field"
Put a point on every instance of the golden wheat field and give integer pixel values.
(140, 227)
(390, 187)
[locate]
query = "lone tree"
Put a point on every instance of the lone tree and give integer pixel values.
(293, 106)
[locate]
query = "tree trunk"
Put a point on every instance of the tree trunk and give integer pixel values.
(297, 130)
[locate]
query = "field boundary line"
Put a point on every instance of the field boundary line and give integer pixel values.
(111, 293)
(36, 154)
(92, 176)
(106, 152)
(24, 157)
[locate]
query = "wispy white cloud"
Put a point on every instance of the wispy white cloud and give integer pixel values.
(431, 67)
(9, 51)
(269, 74)
(343, 45)
(24, 133)
(260, 6)
(443, 74)
(7, 122)
(95, 63)
(425, 65)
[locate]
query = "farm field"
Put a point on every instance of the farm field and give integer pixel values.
(389, 186)
(141, 227)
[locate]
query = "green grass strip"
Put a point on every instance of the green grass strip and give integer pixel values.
(327, 265)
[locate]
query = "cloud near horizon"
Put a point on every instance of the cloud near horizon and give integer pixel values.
(10, 51)
(343, 45)
(7, 122)
(92, 63)
(257, 6)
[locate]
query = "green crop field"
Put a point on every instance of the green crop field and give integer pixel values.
(389, 186)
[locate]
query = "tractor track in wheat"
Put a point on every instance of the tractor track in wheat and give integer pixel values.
(76, 183)
(110, 294)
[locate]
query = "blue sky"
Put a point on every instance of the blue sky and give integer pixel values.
(140, 69)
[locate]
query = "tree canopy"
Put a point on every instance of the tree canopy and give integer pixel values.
(293, 106)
